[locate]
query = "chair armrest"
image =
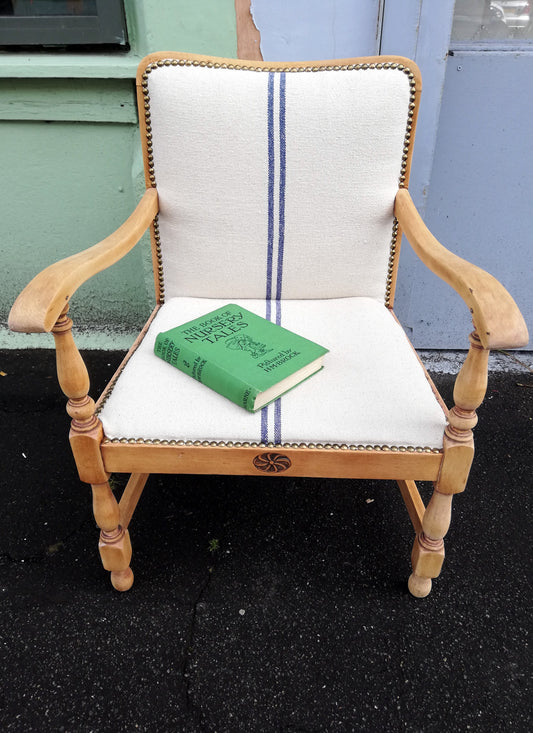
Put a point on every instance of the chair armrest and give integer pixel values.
(40, 304)
(496, 316)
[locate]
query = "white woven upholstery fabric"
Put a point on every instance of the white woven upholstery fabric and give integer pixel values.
(372, 390)
(275, 184)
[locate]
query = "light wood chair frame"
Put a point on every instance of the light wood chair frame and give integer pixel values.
(43, 307)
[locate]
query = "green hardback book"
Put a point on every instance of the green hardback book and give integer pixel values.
(244, 357)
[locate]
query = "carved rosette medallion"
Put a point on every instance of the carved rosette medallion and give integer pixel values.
(272, 462)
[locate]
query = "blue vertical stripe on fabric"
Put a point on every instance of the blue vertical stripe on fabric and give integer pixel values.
(278, 312)
(264, 424)
(270, 236)
(281, 230)
(276, 154)
(277, 404)
(277, 421)
(282, 176)
(270, 229)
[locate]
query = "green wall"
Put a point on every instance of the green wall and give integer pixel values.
(72, 167)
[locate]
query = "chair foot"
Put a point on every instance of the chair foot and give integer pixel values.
(419, 587)
(122, 579)
(115, 551)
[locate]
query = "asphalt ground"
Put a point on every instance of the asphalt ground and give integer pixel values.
(260, 604)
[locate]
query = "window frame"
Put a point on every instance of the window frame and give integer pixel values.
(106, 28)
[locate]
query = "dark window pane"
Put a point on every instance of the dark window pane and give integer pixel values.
(39, 8)
(62, 23)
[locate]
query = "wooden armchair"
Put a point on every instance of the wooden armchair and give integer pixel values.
(282, 187)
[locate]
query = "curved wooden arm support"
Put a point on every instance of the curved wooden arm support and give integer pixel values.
(43, 306)
(498, 324)
(42, 301)
(86, 434)
(428, 549)
(496, 316)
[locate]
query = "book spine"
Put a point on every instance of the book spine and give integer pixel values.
(207, 372)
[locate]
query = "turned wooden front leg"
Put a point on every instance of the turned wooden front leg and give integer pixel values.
(428, 549)
(469, 392)
(86, 434)
(114, 545)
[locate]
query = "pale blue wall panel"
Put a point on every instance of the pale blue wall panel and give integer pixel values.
(481, 192)
(301, 30)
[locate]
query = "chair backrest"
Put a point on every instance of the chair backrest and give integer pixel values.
(277, 180)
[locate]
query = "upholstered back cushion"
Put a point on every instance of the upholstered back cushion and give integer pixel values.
(277, 184)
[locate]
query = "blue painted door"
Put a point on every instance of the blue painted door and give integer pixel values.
(481, 185)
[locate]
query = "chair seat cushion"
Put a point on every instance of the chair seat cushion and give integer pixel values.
(372, 391)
